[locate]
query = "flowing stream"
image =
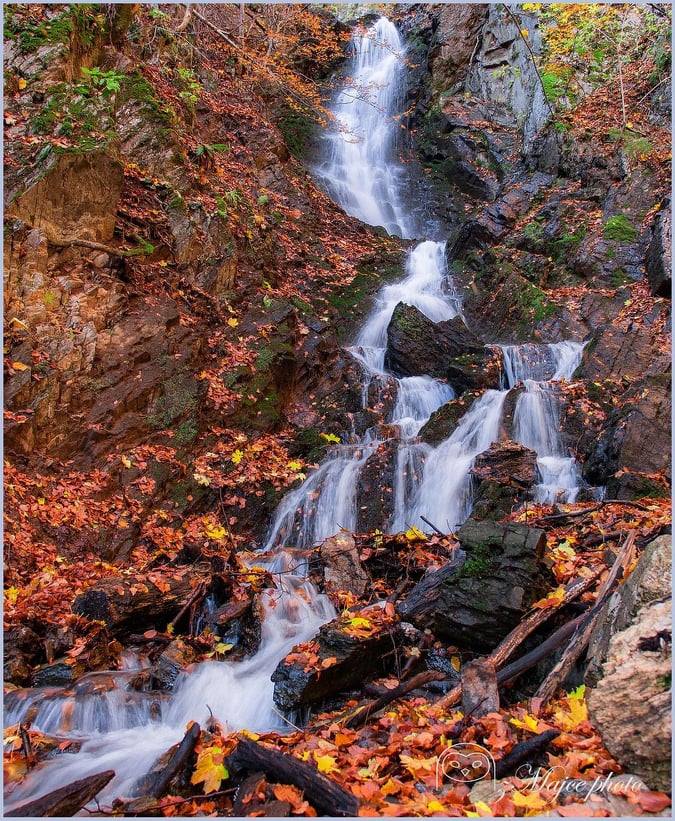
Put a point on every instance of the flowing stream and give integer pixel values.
(126, 730)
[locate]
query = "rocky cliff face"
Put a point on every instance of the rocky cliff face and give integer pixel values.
(559, 231)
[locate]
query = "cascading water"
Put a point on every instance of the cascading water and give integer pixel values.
(537, 415)
(360, 170)
(122, 729)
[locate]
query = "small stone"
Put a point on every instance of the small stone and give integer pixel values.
(101, 260)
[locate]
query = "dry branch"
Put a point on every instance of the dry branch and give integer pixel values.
(65, 801)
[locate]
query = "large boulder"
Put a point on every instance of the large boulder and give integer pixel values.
(342, 569)
(478, 597)
(631, 704)
(443, 421)
(502, 476)
(418, 346)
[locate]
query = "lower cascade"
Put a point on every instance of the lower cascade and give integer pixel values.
(127, 731)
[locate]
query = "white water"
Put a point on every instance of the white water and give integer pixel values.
(126, 730)
(361, 171)
(537, 414)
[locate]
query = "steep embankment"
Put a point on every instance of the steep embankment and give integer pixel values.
(177, 289)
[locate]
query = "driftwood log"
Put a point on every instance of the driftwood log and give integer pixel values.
(66, 801)
(527, 750)
(155, 783)
(130, 603)
(365, 711)
(325, 795)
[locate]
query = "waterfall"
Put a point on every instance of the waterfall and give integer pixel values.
(361, 171)
(536, 419)
(125, 730)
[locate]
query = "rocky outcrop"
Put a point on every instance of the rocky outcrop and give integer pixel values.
(502, 476)
(416, 346)
(375, 486)
(443, 421)
(635, 443)
(660, 253)
(631, 704)
(650, 581)
(76, 196)
(476, 599)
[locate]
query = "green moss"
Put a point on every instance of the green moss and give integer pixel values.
(619, 278)
(619, 229)
(185, 433)
(297, 130)
(665, 682)
(478, 562)
(178, 398)
(533, 300)
(50, 299)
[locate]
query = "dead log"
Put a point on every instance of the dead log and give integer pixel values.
(522, 753)
(132, 603)
(325, 795)
(480, 694)
(582, 636)
(65, 801)
(366, 711)
(155, 783)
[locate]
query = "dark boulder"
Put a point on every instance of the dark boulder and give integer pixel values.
(478, 597)
(660, 253)
(503, 474)
(443, 421)
(335, 660)
(375, 488)
(417, 346)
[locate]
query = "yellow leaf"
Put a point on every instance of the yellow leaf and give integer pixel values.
(11, 594)
(456, 663)
(223, 648)
(528, 723)
(237, 456)
(435, 806)
(210, 769)
(249, 734)
(482, 807)
(295, 466)
(215, 531)
(532, 801)
(125, 461)
(201, 479)
(22, 84)
(416, 764)
(359, 621)
(414, 535)
(232, 322)
(330, 437)
(325, 763)
(19, 366)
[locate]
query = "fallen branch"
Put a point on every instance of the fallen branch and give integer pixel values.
(432, 526)
(99, 246)
(325, 795)
(194, 596)
(65, 801)
(365, 711)
(523, 752)
(582, 636)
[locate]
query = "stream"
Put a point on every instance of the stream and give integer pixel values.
(127, 731)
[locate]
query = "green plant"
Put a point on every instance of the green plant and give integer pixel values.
(221, 207)
(108, 82)
(534, 231)
(189, 87)
(263, 199)
(620, 229)
(208, 150)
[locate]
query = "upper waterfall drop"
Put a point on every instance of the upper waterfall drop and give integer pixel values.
(361, 171)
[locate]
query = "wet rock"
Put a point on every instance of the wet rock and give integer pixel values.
(635, 442)
(649, 581)
(631, 349)
(333, 661)
(631, 704)
(442, 422)
(455, 40)
(171, 663)
(416, 346)
(76, 197)
(22, 648)
(478, 597)
(502, 475)
(660, 253)
(375, 488)
(58, 674)
(342, 568)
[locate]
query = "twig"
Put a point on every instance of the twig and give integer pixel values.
(440, 532)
